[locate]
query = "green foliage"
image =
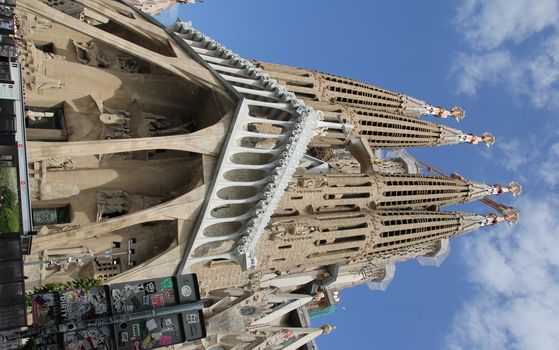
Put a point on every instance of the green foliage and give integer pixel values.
(9, 210)
(9, 219)
(74, 284)
(60, 287)
(10, 198)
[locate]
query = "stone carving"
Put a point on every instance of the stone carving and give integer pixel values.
(111, 203)
(32, 59)
(312, 183)
(159, 125)
(116, 125)
(120, 118)
(70, 8)
(44, 230)
(42, 83)
(89, 54)
(416, 108)
(303, 229)
(128, 64)
(33, 115)
(31, 23)
(63, 163)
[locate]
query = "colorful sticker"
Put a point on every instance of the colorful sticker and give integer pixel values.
(136, 329)
(168, 322)
(167, 283)
(146, 300)
(136, 302)
(157, 301)
(186, 291)
(192, 318)
(170, 294)
(136, 345)
(148, 341)
(127, 291)
(149, 287)
(124, 336)
(165, 340)
(139, 288)
(151, 325)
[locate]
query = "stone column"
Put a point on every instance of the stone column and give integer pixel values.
(177, 208)
(205, 141)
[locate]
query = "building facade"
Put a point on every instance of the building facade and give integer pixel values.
(156, 152)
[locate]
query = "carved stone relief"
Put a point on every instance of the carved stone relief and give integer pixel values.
(32, 60)
(128, 64)
(89, 54)
(60, 163)
(111, 203)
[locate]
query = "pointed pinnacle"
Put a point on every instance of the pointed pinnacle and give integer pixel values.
(511, 215)
(440, 112)
(458, 113)
(486, 137)
(513, 187)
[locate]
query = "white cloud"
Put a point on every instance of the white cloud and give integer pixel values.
(549, 169)
(497, 32)
(515, 154)
(517, 272)
(488, 24)
(492, 67)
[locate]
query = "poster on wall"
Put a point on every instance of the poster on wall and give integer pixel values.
(44, 308)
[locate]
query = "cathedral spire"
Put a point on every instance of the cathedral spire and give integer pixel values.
(386, 130)
(471, 222)
(413, 107)
(479, 190)
(451, 136)
(384, 191)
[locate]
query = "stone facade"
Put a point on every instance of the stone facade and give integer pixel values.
(155, 152)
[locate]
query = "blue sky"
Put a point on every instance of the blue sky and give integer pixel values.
(499, 60)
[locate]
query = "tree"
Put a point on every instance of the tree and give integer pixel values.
(9, 211)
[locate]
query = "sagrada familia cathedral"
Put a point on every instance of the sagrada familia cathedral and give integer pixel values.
(166, 153)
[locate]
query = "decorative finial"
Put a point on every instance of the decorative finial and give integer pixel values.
(327, 328)
(457, 113)
(513, 187)
(491, 219)
(417, 108)
(486, 137)
(511, 215)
